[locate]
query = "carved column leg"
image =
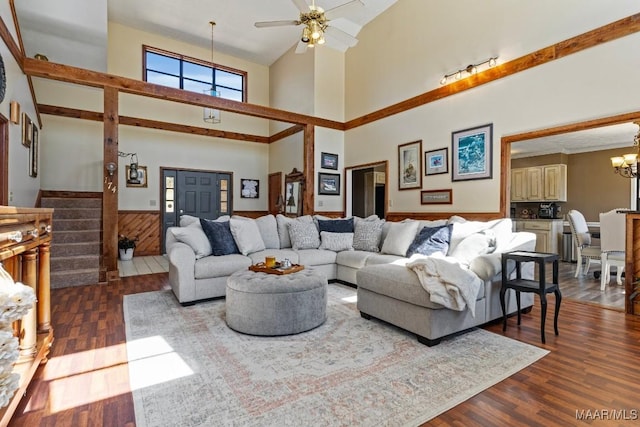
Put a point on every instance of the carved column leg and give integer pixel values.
(44, 299)
(28, 326)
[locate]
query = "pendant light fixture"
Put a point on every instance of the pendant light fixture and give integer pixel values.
(212, 115)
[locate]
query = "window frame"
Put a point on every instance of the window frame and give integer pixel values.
(150, 49)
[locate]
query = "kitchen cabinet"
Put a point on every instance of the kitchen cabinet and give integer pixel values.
(547, 231)
(546, 183)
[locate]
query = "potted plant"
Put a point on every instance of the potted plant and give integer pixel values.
(126, 247)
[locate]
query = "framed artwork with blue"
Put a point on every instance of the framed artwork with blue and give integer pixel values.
(472, 153)
(436, 161)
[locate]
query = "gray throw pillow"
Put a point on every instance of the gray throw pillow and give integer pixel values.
(220, 237)
(269, 231)
(194, 236)
(399, 237)
(246, 233)
(304, 235)
(367, 235)
(336, 242)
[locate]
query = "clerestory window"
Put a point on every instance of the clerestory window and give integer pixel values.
(183, 72)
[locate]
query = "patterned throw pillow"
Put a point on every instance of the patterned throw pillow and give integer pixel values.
(431, 240)
(367, 235)
(220, 237)
(336, 242)
(304, 235)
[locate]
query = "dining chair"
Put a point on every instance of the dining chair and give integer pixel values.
(582, 240)
(612, 245)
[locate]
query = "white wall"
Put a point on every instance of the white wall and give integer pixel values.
(594, 83)
(23, 189)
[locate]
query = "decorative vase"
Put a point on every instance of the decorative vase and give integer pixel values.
(126, 254)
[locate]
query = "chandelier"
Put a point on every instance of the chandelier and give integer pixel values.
(212, 115)
(315, 23)
(627, 164)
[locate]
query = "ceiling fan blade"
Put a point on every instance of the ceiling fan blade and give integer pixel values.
(343, 9)
(301, 5)
(301, 47)
(341, 36)
(275, 23)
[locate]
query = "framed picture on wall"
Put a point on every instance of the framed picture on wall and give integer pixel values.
(436, 161)
(250, 188)
(472, 153)
(410, 165)
(329, 161)
(33, 152)
(329, 184)
(142, 177)
(26, 130)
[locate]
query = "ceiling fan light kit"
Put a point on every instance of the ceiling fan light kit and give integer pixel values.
(316, 24)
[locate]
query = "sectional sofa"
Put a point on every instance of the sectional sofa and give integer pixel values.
(382, 259)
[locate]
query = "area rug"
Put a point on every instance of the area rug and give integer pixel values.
(187, 368)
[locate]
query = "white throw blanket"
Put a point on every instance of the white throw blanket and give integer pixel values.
(449, 282)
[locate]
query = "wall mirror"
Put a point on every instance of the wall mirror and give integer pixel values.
(294, 190)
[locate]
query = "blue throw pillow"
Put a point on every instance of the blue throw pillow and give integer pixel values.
(431, 240)
(220, 237)
(336, 225)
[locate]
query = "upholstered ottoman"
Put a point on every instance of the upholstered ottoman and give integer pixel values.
(271, 304)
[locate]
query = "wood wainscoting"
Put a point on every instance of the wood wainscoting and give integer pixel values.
(143, 224)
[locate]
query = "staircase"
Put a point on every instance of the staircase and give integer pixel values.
(75, 248)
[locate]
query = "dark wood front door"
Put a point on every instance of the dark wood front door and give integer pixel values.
(275, 190)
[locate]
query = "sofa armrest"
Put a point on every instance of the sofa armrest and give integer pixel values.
(182, 261)
(488, 266)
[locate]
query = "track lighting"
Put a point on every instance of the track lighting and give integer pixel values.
(470, 69)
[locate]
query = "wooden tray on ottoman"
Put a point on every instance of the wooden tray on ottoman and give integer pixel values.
(261, 268)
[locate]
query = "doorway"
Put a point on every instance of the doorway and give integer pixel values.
(367, 190)
(204, 194)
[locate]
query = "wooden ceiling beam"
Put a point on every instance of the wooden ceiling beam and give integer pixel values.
(151, 124)
(80, 76)
(285, 133)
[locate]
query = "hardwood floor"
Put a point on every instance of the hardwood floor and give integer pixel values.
(592, 365)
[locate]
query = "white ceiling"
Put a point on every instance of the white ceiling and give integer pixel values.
(74, 32)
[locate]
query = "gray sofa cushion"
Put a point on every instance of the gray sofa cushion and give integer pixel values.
(220, 266)
(386, 259)
(353, 259)
(316, 257)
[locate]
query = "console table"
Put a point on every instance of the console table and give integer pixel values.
(25, 239)
(539, 287)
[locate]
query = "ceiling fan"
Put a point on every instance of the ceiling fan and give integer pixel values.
(316, 24)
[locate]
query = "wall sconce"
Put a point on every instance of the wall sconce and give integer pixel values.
(111, 168)
(469, 69)
(133, 177)
(14, 112)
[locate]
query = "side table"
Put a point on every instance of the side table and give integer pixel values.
(539, 287)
